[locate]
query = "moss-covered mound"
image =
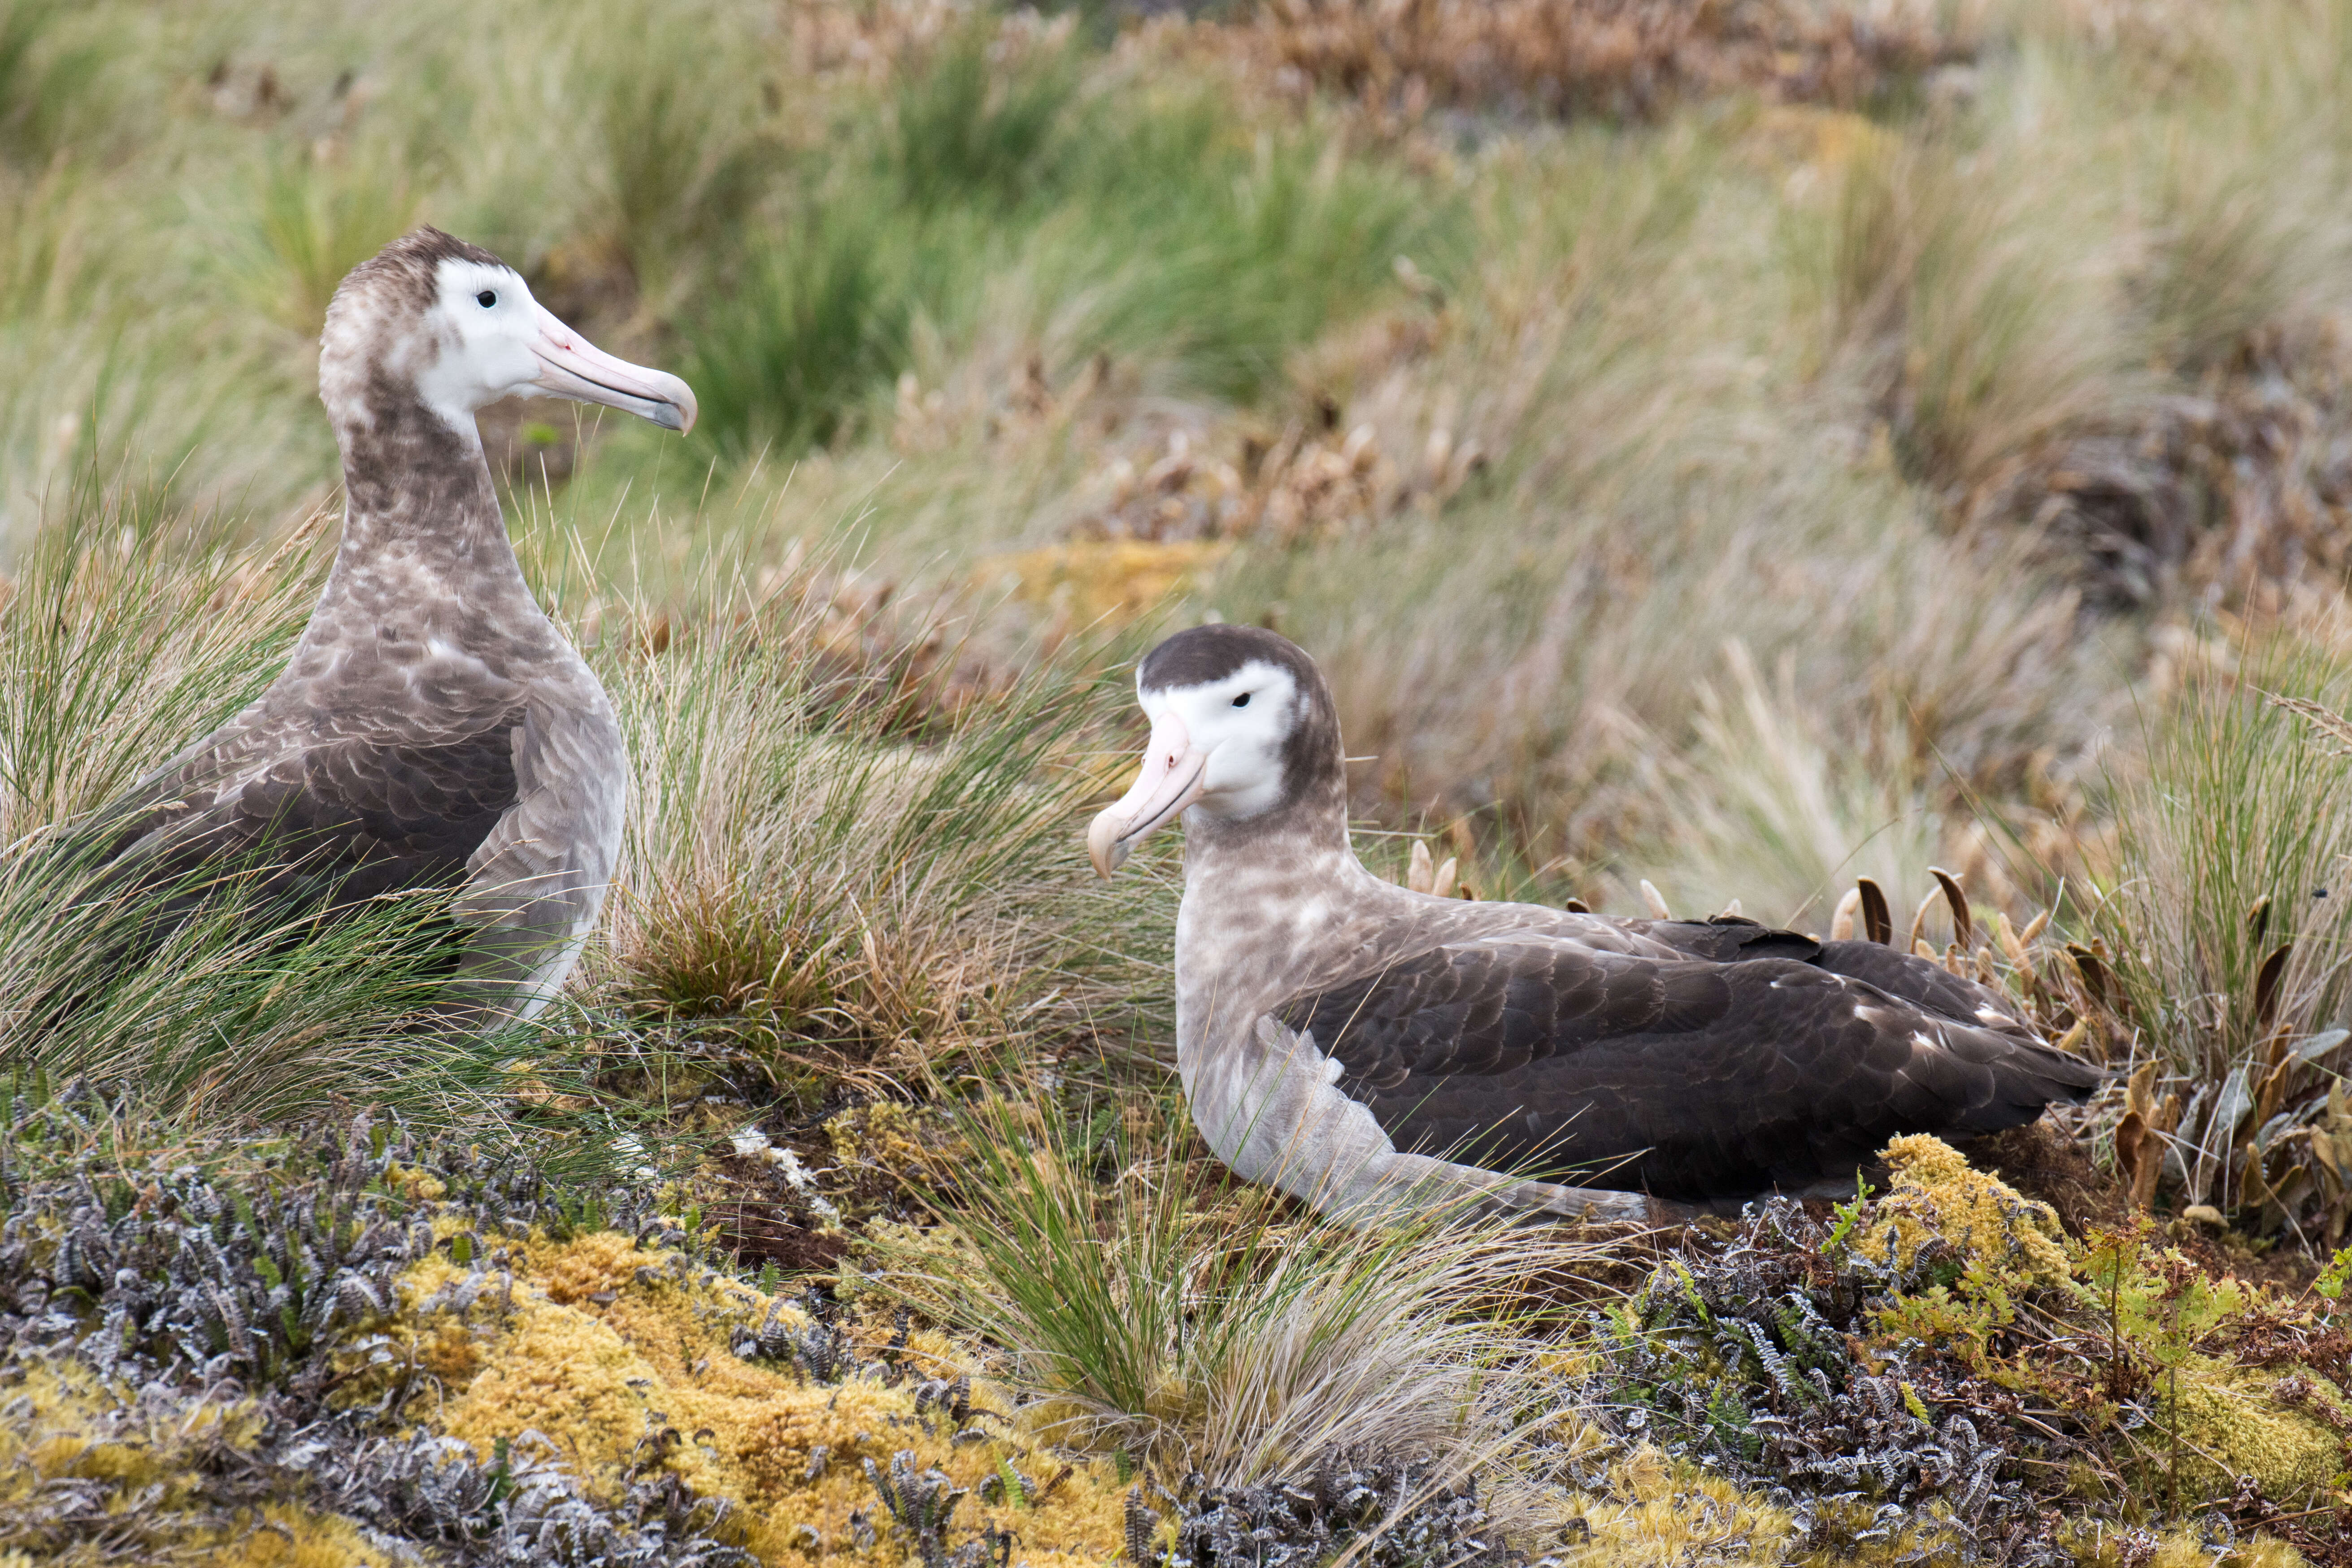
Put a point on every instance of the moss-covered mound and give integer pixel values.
(627, 1365)
(1946, 1374)
(364, 1348)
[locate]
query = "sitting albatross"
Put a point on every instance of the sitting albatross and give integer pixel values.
(1357, 1043)
(433, 729)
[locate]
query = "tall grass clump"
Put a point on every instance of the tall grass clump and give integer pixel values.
(319, 213)
(128, 631)
(814, 302)
(1219, 257)
(672, 95)
(216, 1010)
(986, 119)
(818, 317)
(2225, 163)
(1962, 293)
(125, 633)
(1782, 820)
(2225, 924)
(1222, 1337)
(834, 859)
(46, 78)
(1152, 232)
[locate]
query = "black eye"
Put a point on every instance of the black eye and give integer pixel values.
(1243, 700)
(487, 298)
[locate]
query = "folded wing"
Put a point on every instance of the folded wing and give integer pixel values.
(1694, 1079)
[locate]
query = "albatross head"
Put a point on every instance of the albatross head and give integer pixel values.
(1242, 727)
(458, 328)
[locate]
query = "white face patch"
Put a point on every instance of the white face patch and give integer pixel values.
(1240, 724)
(483, 322)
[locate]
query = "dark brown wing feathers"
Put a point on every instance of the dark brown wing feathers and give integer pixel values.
(1704, 1078)
(338, 820)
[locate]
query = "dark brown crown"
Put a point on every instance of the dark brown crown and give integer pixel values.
(407, 271)
(1311, 768)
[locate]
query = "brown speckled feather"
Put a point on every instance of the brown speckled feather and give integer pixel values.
(1694, 1079)
(1697, 1060)
(433, 729)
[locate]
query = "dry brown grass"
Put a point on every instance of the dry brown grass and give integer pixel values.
(1624, 59)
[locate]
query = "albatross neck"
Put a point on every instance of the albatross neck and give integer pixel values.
(1269, 903)
(425, 545)
(1297, 853)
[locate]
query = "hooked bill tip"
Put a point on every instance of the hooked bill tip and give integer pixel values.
(1106, 847)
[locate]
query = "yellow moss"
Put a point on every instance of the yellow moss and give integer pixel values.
(602, 1380)
(68, 1424)
(593, 1265)
(1656, 1510)
(2186, 1548)
(55, 1435)
(2096, 1543)
(291, 1537)
(1113, 579)
(1934, 1193)
(877, 1135)
(2233, 1424)
(418, 1186)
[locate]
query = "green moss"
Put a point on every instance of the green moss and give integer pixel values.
(2233, 1423)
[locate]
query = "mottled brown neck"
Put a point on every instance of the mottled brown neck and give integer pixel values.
(425, 545)
(1311, 823)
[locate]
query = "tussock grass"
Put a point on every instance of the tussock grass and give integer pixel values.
(814, 322)
(970, 127)
(1929, 412)
(1146, 229)
(231, 1021)
(2225, 924)
(1782, 822)
(843, 859)
(1643, 511)
(45, 76)
(844, 855)
(672, 100)
(1988, 325)
(1217, 1335)
(319, 214)
(128, 630)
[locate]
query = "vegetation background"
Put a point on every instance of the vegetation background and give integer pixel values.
(1741, 447)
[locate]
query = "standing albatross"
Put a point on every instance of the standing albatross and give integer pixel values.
(1356, 1043)
(433, 730)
